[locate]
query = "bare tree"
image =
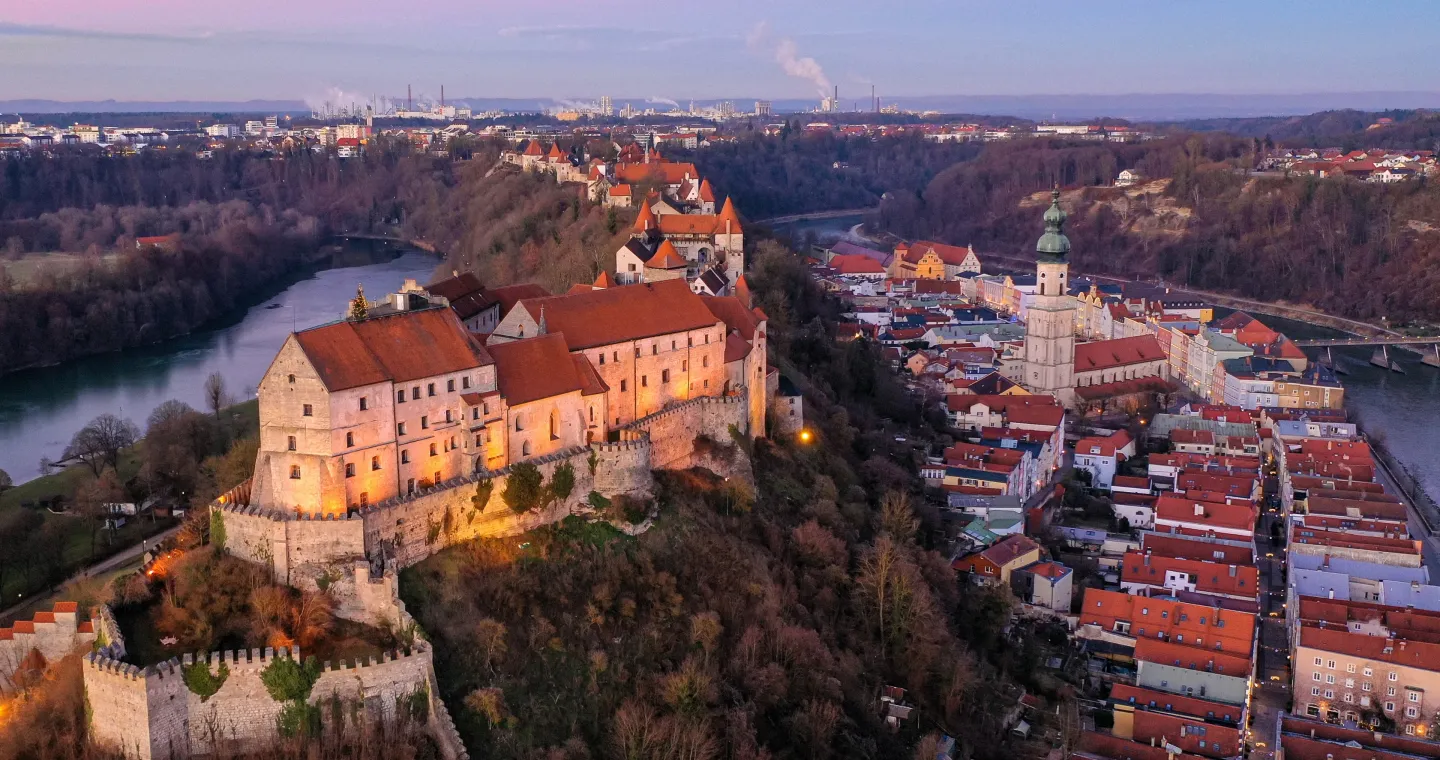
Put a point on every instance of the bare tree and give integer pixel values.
(215, 396)
(98, 444)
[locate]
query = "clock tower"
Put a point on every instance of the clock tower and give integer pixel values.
(1050, 324)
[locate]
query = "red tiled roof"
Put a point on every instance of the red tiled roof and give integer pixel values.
(1227, 516)
(67, 606)
(1197, 625)
(509, 295)
(465, 293)
(954, 255)
(1415, 654)
(1210, 577)
(687, 224)
(645, 220)
(616, 315)
(1112, 747)
(621, 190)
(1051, 570)
(533, 149)
(1125, 388)
(736, 347)
(1107, 445)
(733, 312)
(666, 257)
(1194, 657)
(1106, 354)
(728, 214)
(397, 347)
(1175, 703)
(535, 368)
(1009, 549)
(855, 264)
(1180, 546)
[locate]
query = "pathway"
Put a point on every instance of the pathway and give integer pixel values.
(835, 213)
(116, 560)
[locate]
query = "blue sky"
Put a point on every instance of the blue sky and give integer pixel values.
(188, 49)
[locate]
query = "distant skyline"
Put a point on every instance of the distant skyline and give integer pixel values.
(328, 49)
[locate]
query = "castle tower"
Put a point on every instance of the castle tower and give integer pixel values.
(1050, 325)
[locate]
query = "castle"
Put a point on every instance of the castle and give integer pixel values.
(397, 400)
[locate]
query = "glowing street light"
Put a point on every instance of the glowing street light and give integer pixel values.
(806, 436)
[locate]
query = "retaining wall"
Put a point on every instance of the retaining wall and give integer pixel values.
(410, 528)
(672, 432)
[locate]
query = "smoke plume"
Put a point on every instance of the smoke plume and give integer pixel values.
(663, 101)
(787, 55)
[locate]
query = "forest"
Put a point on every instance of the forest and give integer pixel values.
(1353, 248)
(744, 624)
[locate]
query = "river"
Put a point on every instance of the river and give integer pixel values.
(41, 409)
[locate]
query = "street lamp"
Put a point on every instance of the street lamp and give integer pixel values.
(806, 436)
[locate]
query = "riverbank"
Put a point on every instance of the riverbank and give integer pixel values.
(40, 409)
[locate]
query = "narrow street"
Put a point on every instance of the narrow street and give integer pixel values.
(1272, 666)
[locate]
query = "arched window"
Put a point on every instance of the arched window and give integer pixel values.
(554, 424)
(525, 449)
(374, 463)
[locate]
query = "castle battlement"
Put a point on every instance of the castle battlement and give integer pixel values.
(729, 400)
(100, 664)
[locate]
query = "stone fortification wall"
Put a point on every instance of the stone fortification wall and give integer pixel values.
(407, 529)
(672, 432)
(149, 713)
(53, 634)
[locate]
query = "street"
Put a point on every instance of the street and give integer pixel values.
(1272, 665)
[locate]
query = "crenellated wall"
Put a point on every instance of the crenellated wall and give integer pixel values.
(53, 634)
(672, 432)
(150, 714)
(410, 528)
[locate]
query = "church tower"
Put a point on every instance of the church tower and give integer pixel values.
(1050, 324)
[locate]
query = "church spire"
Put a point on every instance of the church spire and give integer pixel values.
(1053, 244)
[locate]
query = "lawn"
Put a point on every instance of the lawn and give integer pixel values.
(75, 553)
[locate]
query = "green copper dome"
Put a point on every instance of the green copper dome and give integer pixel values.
(1054, 243)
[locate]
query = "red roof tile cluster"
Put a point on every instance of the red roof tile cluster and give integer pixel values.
(1316, 536)
(1237, 486)
(1106, 446)
(1180, 436)
(855, 264)
(1179, 704)
(1108, 354)
(466, 294)
(953, 255)
(397, 347)
(1181, 546)
(1415, 654)
(1098, 745)
(617, 315)
(1193, 657)
(541, 367)
(1209, 577)
(1195, 625)
(509, 295)
(1315, 740)
(1231, 517)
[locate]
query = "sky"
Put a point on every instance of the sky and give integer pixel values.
(348, 49)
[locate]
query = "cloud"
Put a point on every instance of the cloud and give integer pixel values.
(36, 30)
(787, 55)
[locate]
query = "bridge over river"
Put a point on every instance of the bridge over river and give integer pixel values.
(1368, 341)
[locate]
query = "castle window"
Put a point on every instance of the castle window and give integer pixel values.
(477, 440)
(450, 386)
(602, 358)
(424, 423)
(307, 410)
(689, 341)
(518, 426)
(400, 429)
(437, 477)
(399, 397)
(623, 385)
(349, 469)
(684, 365)
(672, 345)
(554, 425)
(707, 337)
(616, 357)
(405, 457)
(644, 381)
(654, 350)
(474, 413)
(664, 375)
(447, 415)
(637, 352)
(525, 449)
(430, 389)
(415, 393)
(452, 442)
(364, 403)
(290, 443)
(432, 449)
(349, 440)
(704, 361)
(294, 472)
(291, 378)
(465, 382)
(374, 463)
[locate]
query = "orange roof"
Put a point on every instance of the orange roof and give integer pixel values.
(1106, 354)
(603, 281)
(742, 290)
(1094, 744)
(397, 347)
(1052, 570)
(1181, 546)
(666, 257)
(533, 149)
(1193, 657)
(509, 295)
(536, 368)
(1235, 517)
(1209, 577)
(736, 347)
(1415, 654)
(555, 151)
(735, 315)
(728, 214)
(1175, 703)
(645, 220)
(621, 190)
(590, 381)
(855, 264)
(67, 606)
(688, 224)
(954, 255)
(615, 315)
(667, 173)
(706, 193)
(1199, 625)
(1107, 445)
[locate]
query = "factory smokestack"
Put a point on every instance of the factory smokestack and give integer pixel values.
(409, 103)
(442, 96)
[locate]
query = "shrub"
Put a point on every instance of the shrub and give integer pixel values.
(201, 682)
(298, 718)
(287, 680)
(598, 501)
(217, 529)
(523, 489)
(562, 483)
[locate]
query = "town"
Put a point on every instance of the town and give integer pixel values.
(1233, 565)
